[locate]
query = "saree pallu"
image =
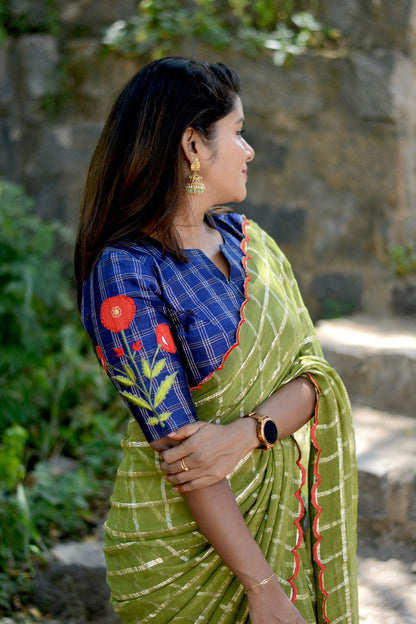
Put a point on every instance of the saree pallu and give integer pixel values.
(299, 499)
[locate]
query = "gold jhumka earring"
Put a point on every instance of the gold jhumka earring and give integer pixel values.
(195, 182)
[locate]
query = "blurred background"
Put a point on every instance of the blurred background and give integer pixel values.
(329, 91)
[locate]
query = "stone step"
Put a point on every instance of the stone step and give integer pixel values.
(376, 359)
(72, 585)
(386, 457)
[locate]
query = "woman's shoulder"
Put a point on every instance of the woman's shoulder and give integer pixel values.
(120, 264)
(232, 222)
(127, 256)
(123, 268)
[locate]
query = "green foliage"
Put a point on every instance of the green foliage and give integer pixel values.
(18, 537)
(159, 25)
(404, 259)
(56, 407)
(15, 555)
(16, 20)
(11, 457)
(35, 313)
(53, 497)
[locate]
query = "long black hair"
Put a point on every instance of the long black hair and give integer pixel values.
(136, 176)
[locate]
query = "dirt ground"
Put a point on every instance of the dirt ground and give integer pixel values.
(387, 583)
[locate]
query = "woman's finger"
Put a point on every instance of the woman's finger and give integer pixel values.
(175, 453)
(185, 431)
(176, 467)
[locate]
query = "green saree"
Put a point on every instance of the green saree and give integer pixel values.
(298, 500)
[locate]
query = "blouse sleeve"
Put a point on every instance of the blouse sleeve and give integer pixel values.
(124, 314)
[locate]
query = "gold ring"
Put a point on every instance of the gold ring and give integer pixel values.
(183, 465)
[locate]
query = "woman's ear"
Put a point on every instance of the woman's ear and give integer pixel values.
(190, 143)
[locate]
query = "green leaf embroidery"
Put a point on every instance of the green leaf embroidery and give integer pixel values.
(137, 400)
(130, 372)
(164, 389)
(157, 369)
(124, 380)
(146, 369)
(153, 420)
(154, 395)
(164, 416)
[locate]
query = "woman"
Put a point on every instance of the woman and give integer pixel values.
(194, 312)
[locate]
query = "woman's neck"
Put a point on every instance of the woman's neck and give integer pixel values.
(196, 235)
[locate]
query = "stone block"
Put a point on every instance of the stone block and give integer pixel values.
(271, 153)
(37, 61)
(290, 224)
(386, 473)
(371, 88)
(337, 213)
(97, 78)
(376, 358)
(371, 504)
(285, 224)
(398, 491)
(372, 23)
(278, 94)
(7, 76)
(358, 164)
(34, 14)
(336, 293)
(92, 16)
(403, 297)
(8, 152)
(73, 584)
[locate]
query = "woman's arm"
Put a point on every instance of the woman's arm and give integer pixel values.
(211, 452)
(219, 518)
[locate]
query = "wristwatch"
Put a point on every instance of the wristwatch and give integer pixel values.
(266, 430)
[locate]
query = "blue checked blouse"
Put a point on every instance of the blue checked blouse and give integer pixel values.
(178, 321)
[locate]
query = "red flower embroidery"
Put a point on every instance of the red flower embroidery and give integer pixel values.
(117, 312)
(164, 338)
(101, 357)
(137, 345)
(119, 351)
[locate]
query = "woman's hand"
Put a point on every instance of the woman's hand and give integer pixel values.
(211, 452)
(207, 453)
(268, 604)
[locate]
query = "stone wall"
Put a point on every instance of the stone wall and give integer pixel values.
(335, 136)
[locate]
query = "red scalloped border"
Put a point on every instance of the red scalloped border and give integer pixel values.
(318, 480)
(245, 259)
(297, 523)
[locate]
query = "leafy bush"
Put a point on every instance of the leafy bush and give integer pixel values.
(15, 529)
(56, 407)
(283, 26)
(404, 259)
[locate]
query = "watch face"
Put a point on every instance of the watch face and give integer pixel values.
(270, 432)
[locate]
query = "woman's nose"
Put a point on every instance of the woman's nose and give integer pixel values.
(250, 152)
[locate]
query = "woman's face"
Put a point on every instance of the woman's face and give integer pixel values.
(225, 171)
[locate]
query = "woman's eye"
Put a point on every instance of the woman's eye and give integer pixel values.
(241, 131)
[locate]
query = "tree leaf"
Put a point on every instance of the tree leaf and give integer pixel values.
(157, 369)
(153, 420)
(124, 380)
(164, 388)
(146, 368)
(136, 400)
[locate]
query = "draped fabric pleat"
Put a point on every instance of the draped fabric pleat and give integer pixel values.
(299, 499)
